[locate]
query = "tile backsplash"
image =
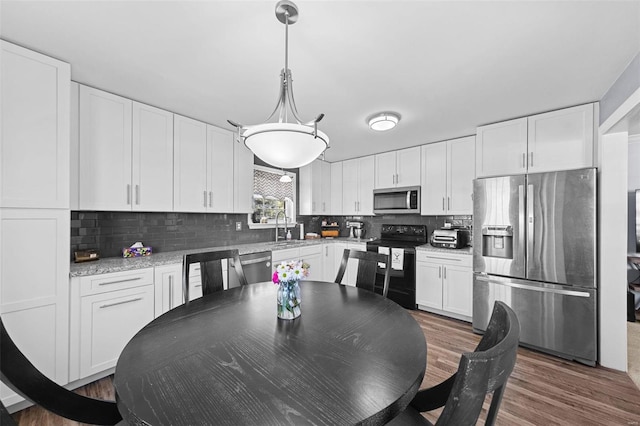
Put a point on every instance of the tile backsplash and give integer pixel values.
(110, 232)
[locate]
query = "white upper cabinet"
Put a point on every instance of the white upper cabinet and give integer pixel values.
(335, 207)
(397, 168)
(315, 188)
(357, 186)
(242, 178)
(501, 148)
(556, 140)
(190, 186)
(125, 154)
(105, 151)
(220, 151)
(448, 170)
(152, 159)
(34, 153)
(561, 140)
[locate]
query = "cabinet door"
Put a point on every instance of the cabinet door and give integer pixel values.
(278, 256)
(105, 151)
(457, 287)
(190, 165)
(352, 266)
(385, 170)
(107, 322)
(168, 288)
(220, 170)
(429, 284)
(501, 148)
(34, 299)
(460, 175)
(325, 188)
(336, 188)
(434, 179)
(34, 154)
(408, 167)
(316, 187)
(305, 182)
(350, 179)
(329, 266)
(338, 253)
(366, 171)
(152, 157)
(243, 178)
(561, 140)
(314, 257)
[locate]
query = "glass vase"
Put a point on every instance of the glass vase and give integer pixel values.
(289, 300)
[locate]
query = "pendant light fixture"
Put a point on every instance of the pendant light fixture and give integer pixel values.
(284, 143)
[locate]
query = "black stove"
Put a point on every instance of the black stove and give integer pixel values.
(400, 241)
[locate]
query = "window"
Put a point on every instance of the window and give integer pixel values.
(271, 196)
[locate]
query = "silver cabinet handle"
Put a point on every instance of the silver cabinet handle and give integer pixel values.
(120, 281)
(444, 258)
(198, 285)
(439, 271)
(531, 159)
(138, 194)
(108, 305)
(210, 198)
(443, 209)
(445, 272)
(128, 193)
(204, 193)
(524, 164)
(448, 203)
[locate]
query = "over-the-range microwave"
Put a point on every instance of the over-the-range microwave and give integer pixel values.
(396, 200)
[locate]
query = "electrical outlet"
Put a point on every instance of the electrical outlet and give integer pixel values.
(238, 226)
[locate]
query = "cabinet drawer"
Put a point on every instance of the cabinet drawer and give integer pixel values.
(96, 284)
(310, 251)
(444, 258)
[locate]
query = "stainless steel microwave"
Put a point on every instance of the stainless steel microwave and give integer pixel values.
(397, 200)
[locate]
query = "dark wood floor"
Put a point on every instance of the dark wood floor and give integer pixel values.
(543, 390)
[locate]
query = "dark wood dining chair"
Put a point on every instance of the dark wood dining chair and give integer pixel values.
(367, 269)
(23, 377)
(210, 270)
(484, 371)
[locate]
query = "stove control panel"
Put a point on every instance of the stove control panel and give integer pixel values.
(416, 233)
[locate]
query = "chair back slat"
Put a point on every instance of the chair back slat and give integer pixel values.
(367, 269)
(211, 270)
(23, 377)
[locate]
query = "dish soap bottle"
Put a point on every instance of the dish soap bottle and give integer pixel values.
(288, 235)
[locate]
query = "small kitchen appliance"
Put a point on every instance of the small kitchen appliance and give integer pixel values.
(450, 238)
(356, 228)
(404, 200)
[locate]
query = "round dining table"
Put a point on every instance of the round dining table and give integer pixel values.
(351, 357)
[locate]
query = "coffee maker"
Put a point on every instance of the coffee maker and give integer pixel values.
(356, 228)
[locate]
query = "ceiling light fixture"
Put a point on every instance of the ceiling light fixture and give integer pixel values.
(285, 144)
(384, 121)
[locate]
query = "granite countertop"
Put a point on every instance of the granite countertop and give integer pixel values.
(429, 247)
(117, 264)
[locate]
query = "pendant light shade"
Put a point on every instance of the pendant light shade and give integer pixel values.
(285, 144)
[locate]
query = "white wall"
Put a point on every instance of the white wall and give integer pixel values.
(612, 247)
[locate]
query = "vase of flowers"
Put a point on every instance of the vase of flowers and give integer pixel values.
(287, 276)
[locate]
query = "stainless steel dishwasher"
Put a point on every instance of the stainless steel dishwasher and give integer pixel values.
(256, 267)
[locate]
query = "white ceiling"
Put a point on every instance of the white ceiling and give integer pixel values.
(446, 67)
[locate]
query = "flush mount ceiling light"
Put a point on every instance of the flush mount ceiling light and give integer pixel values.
(384, 121)
(283, 143)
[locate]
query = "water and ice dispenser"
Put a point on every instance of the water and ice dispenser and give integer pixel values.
(497, 241)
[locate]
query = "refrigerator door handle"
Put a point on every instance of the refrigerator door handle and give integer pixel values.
(521, 224)
(514, 284)
(530, 225)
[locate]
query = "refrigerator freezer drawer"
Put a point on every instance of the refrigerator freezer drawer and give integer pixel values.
(557, 319)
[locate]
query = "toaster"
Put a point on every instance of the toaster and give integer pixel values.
(450, 238)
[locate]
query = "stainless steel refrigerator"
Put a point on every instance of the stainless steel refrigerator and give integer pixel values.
(534, 248)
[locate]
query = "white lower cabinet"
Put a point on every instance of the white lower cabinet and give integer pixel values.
(107, 310)
(444, 283)
(168, 288)
(329, 265)
(309, 254)
(352, 266)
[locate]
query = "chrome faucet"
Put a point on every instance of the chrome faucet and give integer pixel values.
(285, 223)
